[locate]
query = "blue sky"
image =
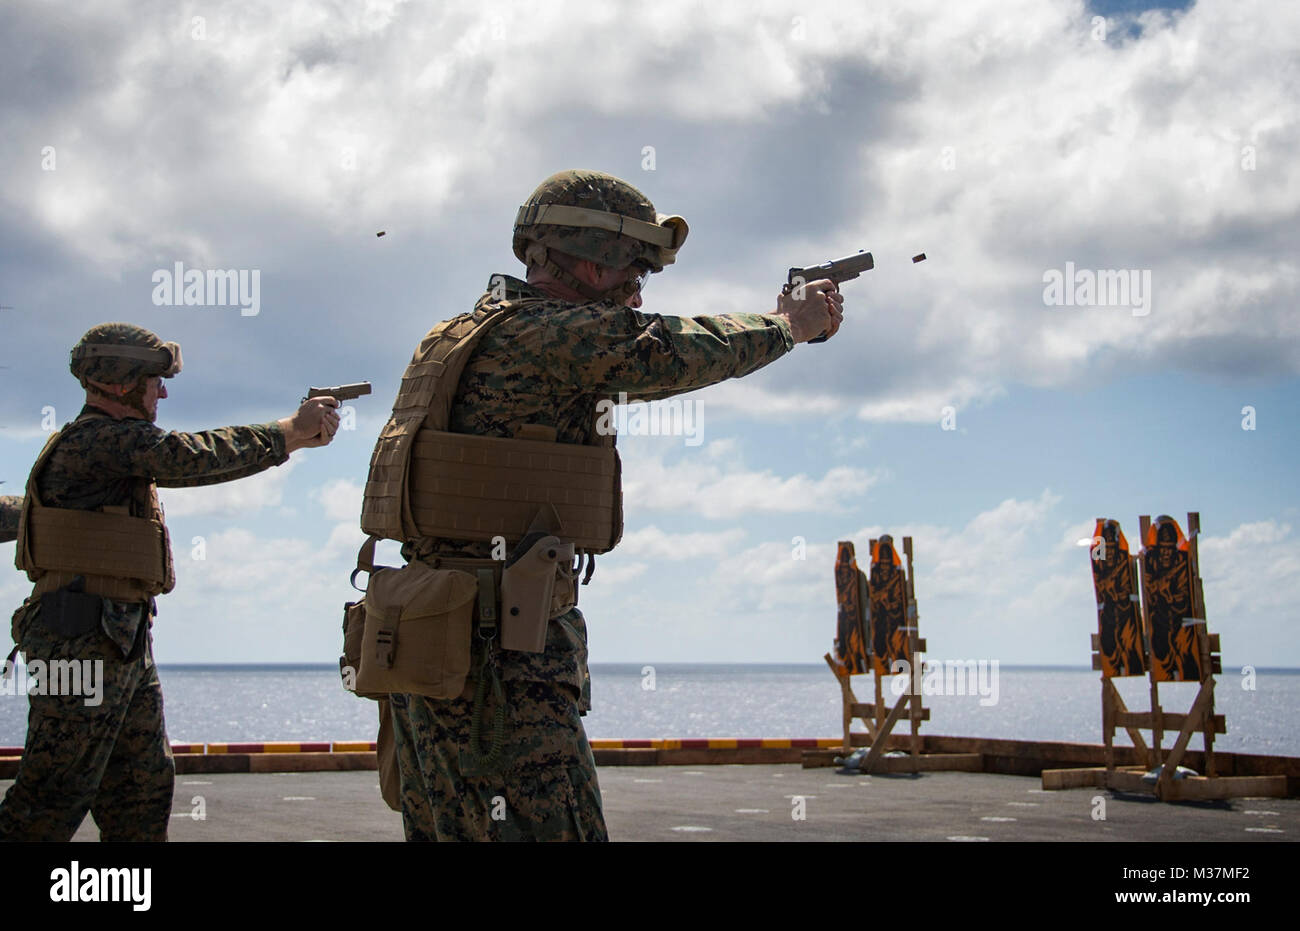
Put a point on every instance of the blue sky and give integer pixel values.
(1004, 139)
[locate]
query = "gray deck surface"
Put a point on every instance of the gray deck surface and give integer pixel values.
(741, 803)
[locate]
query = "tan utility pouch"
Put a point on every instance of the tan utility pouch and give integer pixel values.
(418, 625)
(354, 627)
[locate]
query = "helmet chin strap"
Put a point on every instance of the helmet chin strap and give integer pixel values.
(538, 255)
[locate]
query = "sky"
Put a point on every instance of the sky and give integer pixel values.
(988, 401)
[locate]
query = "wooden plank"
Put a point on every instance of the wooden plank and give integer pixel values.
(845, 696)
(926, 762)
(878, 746)
(1157, 735)
(1096, 662)
(1204, 700)
(1168, 719)
(1203, 630)
(915, 646)
(1128, 780)
(930, 762)
(1073, 778)
(866, 710)
(1108, 699)
(879, 703)
(1223, 787)
(1030, 757)
(1120, 709)
(1135, 567)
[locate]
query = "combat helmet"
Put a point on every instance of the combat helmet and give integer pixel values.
(121, 354)
(596, 216)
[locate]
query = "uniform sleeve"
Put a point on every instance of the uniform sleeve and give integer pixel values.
(608, 349)
(10, 509)
(184, 460)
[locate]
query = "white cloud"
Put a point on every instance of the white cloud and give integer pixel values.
(712, 491)
(1252, 587)
(242, 498)
(1127, 153)
(344, 538)
(653, 543)
(341, 499)
(989, 556)
(304, 129)
(255, 598)
(613, 576)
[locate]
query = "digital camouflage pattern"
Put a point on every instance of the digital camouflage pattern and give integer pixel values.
(113, 759)
(11, 507)
(593, 190)
(544, 788)
(550, 363)
(111, 369)
(99, 460)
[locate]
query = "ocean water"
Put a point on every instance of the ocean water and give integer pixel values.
(298, 703)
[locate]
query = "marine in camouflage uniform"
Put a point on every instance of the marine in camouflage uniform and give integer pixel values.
(550, 363)
(113, 758)
(10, 507)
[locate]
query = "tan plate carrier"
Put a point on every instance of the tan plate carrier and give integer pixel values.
(121, 557)
(426, 482)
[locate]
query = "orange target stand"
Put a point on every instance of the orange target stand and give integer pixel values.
(877, 626)
(1172, 645)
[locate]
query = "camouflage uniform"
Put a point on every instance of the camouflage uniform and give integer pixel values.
(10, 508)
(550, 363)
(113, 759)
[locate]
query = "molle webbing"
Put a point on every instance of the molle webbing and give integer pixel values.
(475, 487)
(128, 590)
(425, 396)
(120, 557)
(427, 482)
(94, 543)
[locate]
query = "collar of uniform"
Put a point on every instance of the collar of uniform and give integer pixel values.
(516, 289)
(90, 411)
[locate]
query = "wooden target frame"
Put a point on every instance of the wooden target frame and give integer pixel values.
(877, 716)
(1199, 646)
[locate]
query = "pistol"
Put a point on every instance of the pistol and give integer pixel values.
(837, 270)
(340, 392)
